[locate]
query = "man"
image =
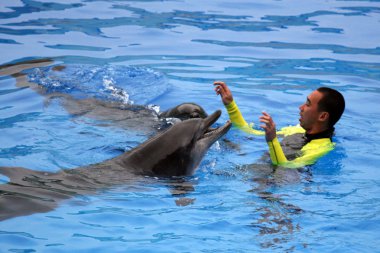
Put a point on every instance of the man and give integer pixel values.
(303, 144)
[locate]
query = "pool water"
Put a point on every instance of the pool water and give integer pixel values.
(162, 53)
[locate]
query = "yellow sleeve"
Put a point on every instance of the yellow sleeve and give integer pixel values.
(310, 153)
(235, 115)
(237, 119)
(275, 151)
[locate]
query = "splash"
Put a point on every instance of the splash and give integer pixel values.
(126, 84)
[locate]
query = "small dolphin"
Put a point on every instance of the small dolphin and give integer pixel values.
(176, 151)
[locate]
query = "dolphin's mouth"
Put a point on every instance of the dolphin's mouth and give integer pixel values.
(214, 133)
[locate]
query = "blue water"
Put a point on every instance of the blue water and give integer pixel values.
(160, 54)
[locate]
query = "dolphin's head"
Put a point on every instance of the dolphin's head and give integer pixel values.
(177, 151)
(206, 137)
(185, 111)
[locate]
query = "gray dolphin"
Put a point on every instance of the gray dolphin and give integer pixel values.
(176, 151)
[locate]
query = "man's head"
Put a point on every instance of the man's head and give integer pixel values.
(322, 109)
(332, 102)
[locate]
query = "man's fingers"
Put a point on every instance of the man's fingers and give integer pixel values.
(269, 124)
(219, 88)
(265, 119)
(221, 85)
(222, 89)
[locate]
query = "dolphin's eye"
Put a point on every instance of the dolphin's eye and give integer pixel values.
(194, 115)
(197, 114)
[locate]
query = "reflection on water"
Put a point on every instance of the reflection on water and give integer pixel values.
(275, 219)
(278, 220)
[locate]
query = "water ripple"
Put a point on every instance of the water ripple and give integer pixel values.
(271, 53)
(30, 6)
(111, 83)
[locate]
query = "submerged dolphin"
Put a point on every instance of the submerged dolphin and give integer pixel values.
(106, 112)
(136, 117)
(176, 151)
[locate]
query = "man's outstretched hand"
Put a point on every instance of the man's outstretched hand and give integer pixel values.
(222, 89)
(269, 126)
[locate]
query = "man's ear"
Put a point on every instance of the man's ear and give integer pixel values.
(324, 116)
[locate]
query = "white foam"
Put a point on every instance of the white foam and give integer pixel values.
(120, 94)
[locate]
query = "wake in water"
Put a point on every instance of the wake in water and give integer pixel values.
(112, 95)
(125, 84)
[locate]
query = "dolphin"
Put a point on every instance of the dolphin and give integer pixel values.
(136, 117)
(176, 151)
(105, 112)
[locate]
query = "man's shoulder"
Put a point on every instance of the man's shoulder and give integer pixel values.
(290, 130)
(322, 144)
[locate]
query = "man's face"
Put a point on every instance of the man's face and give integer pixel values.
(309, 113)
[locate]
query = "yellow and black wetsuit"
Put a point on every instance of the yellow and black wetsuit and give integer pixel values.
(300, 148)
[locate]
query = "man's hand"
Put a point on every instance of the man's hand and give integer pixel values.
(269, 127)
(222, 89)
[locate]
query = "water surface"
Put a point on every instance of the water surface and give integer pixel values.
(271, 53)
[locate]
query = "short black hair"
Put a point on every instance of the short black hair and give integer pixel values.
(332, 102)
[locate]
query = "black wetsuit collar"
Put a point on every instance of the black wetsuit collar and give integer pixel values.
(325, 134)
